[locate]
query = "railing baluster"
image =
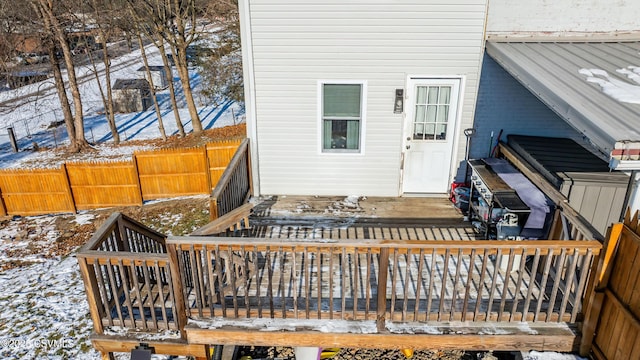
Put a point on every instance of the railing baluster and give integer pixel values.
(407, 277)
(416, 307)
(521, 269)
(222, 281)
(467, 288)
(295, 287)
(282, 292)
(245, 259)
(343, 287)
(481, 284)
(331, 273)
(270, 281)
(568, 284)
(543, 283)
(505, 285)
(161, 297)
(231, 273)
(531, 286)
(494, 280)
(149, 293)
(356, 282)
(124, 274)
(559, 269)
(443, 290)
(454, 292)
(431, 287)
(367, 305)
(114, 287)
(584, 275)
(395, 269)
(319, 258)
(210, 271)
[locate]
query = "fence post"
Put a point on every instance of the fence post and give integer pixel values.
(598, 280)
(134, 158)
(67, 181)
(12, 139)
(383, 270)
(207, 169)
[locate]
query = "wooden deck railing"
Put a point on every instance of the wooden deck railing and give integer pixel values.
(387, 281)
(234, 187)
(128, 279)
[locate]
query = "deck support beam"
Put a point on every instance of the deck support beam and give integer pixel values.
(558, 338)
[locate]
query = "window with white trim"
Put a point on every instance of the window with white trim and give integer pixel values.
(341, 115)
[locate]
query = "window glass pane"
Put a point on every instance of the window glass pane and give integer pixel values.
(420, 113)
(441, 131)
(341, 134)
(431, 113)
(341, 100)
(418, 131)
(421, 97)
(445, 95)
(443, 113)
(429, 131)
(433, 95)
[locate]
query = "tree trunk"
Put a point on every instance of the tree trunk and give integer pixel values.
(51, 20)
(172, 90)
(111, 118)
(62, 93)
(153, 88)
(183, 71)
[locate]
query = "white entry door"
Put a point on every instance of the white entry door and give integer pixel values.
(430, 122)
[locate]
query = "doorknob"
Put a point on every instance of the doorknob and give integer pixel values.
(408, 138)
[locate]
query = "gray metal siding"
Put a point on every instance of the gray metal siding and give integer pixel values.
(503, 103)
(298, 43)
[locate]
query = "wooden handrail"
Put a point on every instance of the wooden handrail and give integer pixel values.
(226, 221)
(529, 246)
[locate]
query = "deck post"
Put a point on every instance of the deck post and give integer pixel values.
(176, 280)
(382, 289)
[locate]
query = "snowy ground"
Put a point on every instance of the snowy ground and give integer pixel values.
(31, 116)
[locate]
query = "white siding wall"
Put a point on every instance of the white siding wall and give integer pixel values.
(298, 43)
(586, 16)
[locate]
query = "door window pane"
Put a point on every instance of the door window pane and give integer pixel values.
(431, 112)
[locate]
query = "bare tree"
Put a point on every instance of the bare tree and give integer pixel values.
(175, 22)
(222, 71)
(145, 25)
(153, 87)
(103, 15)
(50, 12)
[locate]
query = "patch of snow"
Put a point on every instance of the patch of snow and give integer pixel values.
(550, 355)
(84, 219)
(617, 89)
(264, 324)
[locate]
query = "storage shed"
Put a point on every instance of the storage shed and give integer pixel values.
(158, 76)
(595, 191)
(131, 95)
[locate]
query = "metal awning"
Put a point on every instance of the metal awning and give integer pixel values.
(594, 86)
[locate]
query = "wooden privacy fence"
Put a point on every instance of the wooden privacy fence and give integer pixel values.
(613, 325)
(90, 185)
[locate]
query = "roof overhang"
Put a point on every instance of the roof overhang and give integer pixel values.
(594, 86)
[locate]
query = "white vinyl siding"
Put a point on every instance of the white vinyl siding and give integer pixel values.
(296, 44)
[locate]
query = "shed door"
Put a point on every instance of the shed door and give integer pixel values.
(430, 124)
